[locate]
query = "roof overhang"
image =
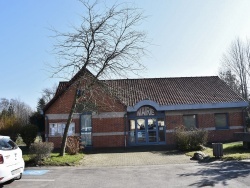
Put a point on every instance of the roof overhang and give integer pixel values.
(158, 107)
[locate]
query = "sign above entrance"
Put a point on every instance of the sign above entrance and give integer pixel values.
(146, 111)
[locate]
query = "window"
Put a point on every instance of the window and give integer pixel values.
(57, 129)
(132, 131)
(7, 144)
(221, 121)
(189, 121)
(161, 133)
(86, 129)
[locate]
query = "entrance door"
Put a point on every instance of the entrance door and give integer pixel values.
(147, 131)
(141, 131)
(147, 127)
(152, 130)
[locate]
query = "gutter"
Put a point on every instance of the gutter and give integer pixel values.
(125, 129)
(46, 128)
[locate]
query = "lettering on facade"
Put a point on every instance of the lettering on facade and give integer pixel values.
(145, 111)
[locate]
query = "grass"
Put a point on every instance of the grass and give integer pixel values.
(54, 160)
(231, 151)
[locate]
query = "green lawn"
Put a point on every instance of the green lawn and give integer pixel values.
(55, 159)
(231, 151)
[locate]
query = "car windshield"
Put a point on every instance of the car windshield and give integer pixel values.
(7, 144)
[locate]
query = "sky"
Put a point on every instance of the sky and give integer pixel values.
(188, 38)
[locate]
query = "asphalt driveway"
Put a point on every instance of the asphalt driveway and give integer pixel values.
(216, 174)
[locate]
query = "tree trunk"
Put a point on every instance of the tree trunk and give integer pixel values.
(65, 134)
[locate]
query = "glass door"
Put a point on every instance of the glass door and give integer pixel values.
(141, 131)
(152, 130)
(86, 130)
(147, 131)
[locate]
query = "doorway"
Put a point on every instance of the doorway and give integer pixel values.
(147, 131)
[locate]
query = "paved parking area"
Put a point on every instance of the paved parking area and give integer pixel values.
(135, 158)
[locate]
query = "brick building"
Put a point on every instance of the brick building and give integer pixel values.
(135, 112)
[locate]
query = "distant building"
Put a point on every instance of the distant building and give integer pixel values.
(135, 112)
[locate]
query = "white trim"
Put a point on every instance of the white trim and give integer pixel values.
(108, 134)
(75, 134)
(61, 116)
(203, 111)
(109, 115)
(158, 107)
(170, 131)
(77, 116)
(213, 129)
(167, 131)
(236, 127)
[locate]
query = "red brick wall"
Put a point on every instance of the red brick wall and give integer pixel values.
(63, 104)
(108, 141)
(235, 119)
(206, 119)
(56, 140)
(105, 103)
(108, 125)
(173, 121)
(222, 135)
(170, 139)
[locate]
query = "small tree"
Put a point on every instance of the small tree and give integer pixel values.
(28, 134)
(38, 120)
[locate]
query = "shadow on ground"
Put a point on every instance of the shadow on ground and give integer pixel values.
(219, 173)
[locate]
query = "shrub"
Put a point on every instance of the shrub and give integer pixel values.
(19, 141)
(190, 139)
(28, 134)
(11, 130)
(73, 145)
(41, 150)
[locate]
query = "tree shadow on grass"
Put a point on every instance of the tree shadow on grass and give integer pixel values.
(219, 173)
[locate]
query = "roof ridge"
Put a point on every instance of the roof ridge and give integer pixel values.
(159, 78)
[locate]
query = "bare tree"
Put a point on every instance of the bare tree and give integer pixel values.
(107, 43)
(237, 60)
(230, 79)
(49, 93)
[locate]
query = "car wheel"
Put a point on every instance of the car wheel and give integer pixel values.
(19, 177)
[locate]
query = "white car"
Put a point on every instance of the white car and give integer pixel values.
(11, 160)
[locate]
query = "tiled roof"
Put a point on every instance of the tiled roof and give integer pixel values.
(61, 86)
(173, 91)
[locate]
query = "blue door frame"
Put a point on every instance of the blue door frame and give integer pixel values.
(151, 134)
